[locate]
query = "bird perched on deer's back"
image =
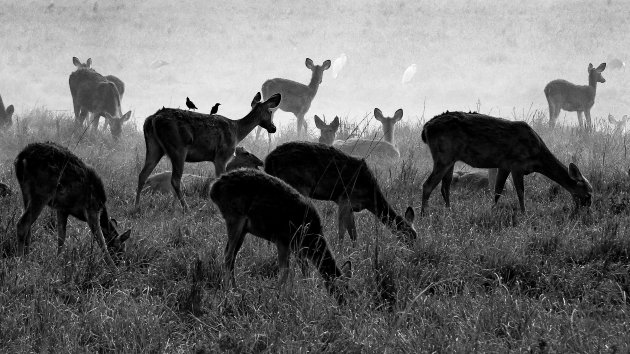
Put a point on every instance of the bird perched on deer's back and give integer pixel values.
(189, 104)
(215, 108)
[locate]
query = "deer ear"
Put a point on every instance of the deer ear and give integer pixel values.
(126, 117)
(590, 67)
(309, 63)
(612, 119)
(346, 269)
(601, 67)
(255, 100)
(125, 236)
(319, 123)
(326, 64)
(410, 214)
(378, 114)
(274, 101)
(335, 123)
(89, 62)
(10, 110)
(574, 172)
(76, 61)
(240, 150)
(398, 115)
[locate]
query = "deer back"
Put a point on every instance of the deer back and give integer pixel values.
(483, 141)
(367, 148)
(94, 92)
(120, 85)
(569, 96)
(243, 159)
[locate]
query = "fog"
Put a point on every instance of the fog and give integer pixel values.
(495, 56)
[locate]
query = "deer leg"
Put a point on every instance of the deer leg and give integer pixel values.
(492, 178)
(345, 220)
(93, 220)
(24, 225)
(439, 169)
(236, 234)
(499, 184)
(62, 221)
(154, 154)
(580, 120)
(177, 162)
(519, 186)
(83, 114)
(258, 129)
(589, 127)
(552, 114)
(95, 118)
(283, 264)
(446, 185)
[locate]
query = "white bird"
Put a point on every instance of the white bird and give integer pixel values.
(409, 73)
(338, 64)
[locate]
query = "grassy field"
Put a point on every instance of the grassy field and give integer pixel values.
(478, 278)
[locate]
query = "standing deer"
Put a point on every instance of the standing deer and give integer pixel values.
(186, 136)
(253, 202)
(194, 184)
(6, 115)
(482, 141)
(324, 173)
(562, 94)
(384, 149)
(96, 94)
(296, 97)
(49, 174)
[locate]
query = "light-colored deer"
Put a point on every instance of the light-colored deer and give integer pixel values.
(383, 149)
(6, 115)
(49, 174)
(619, 125)
(93, 93)
(296, 97)
(253, 202)
(562, 94)
(186, 136)
(325, 173)
(195, 184)
(482, 141)
(476, 180)
(327, 132)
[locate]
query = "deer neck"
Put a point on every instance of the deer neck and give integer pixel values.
(388, 135)
(245, 125)
(316, 79)
(557, 172)
(383, 210)
(326, 265)
(592, 83)
(105, 225)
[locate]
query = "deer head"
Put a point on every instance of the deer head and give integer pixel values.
(327, 131)
(265, 110)
(595, 74)
(388, 123)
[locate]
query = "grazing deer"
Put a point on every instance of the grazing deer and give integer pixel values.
(6, 115)
(186, 136)
(479, 180)
(296, 97)
(618, 124)
(384, 149)
(265, 206)
(194, 184)
(327, 131)
(96, 94)
(324, 173)
(49, 174)
(562, 94)
(482, 141)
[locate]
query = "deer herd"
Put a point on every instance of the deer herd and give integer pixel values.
(273, 199)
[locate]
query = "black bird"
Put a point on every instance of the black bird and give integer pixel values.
(215, 108)
(189, 104)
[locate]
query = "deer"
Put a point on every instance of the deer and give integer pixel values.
(6, 115)
(97, 94)
(482, 141)
(322, 172)
(562, 94)
(618, 124)
(327, 131)
(383, 149)
(477, 180)
(195, 184)
(186, 136)
(297, 97)
(49, 174)
(253, 202)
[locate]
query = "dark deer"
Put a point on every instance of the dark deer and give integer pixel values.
(482, 141)
(562, 94)
(296, 97)
(383, 149)
(265, 206)
(325, 173)
(186, 136)
(6, 115)
(49, 174)
(195, 184)
(96, 94)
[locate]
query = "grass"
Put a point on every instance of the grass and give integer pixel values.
(477, 279)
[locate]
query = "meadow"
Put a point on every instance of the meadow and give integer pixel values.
(478, 278)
